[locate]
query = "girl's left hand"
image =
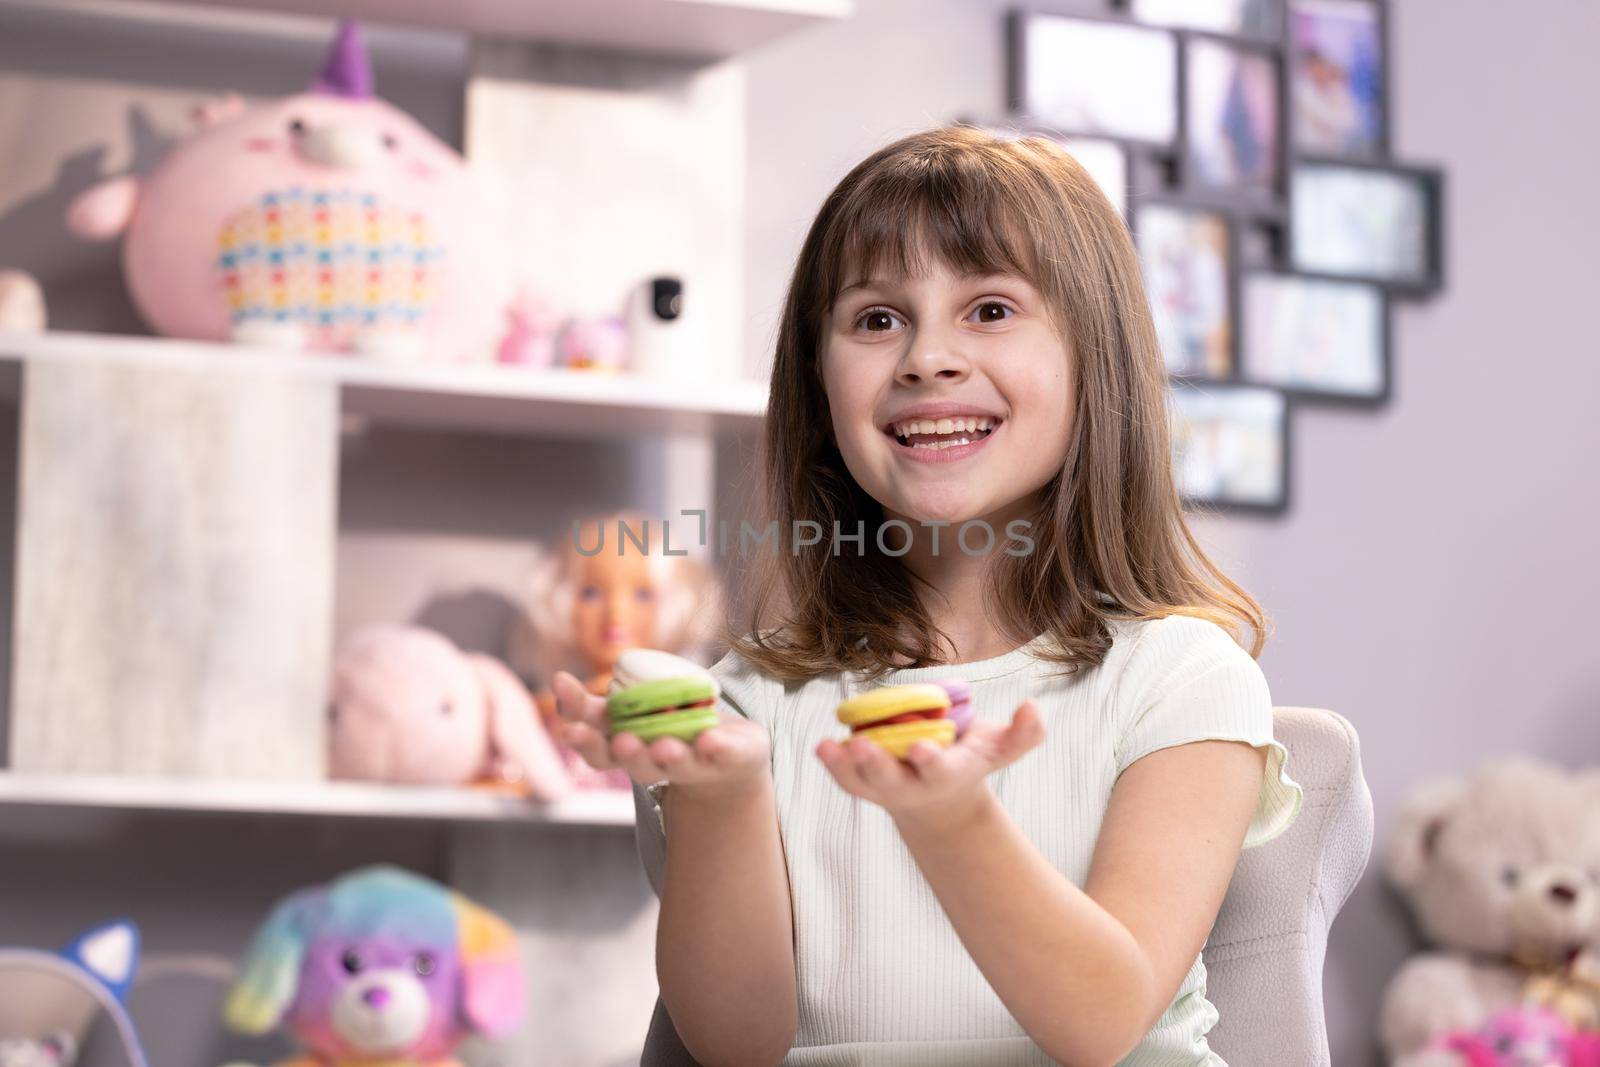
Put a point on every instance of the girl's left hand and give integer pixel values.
(934, 783)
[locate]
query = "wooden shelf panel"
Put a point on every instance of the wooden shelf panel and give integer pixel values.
(360, 800)
(474, 397)
(702, 29)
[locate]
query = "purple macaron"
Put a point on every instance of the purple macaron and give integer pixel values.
(960, 704)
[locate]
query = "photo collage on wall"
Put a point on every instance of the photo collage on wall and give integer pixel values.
(1246, 144)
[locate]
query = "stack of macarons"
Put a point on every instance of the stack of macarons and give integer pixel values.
(895, 717)
(656, 694)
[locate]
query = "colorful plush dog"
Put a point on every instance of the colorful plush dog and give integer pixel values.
(380, 968)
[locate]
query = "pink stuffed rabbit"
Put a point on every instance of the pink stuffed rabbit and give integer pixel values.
(408, 706)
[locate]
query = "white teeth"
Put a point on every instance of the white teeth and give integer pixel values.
(959, 424)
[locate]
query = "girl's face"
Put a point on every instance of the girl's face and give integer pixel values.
(900, 354)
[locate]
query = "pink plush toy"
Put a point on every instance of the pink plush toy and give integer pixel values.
(379, 968)
(408, 706)
(594, 344)
(530, 340)
(1527, 1036)
(328, 220)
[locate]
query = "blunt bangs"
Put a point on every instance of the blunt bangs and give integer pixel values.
(950, 207)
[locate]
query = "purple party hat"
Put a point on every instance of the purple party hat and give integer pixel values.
(348, 71)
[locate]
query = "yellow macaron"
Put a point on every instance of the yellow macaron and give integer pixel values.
(895, 717)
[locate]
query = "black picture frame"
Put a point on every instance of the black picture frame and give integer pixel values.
(1022, 126)
(1345, 303)
(1023, 22)
(1268, 200)
(1294, 80)
(1142, 211)
(1306, 217)
(1270, 34)
(1263, 241)
(1266, 432)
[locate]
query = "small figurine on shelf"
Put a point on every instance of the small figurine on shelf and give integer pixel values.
(379, 967)
(21, 303)
(661, 336)
(594, 344)
(407, 705)
(530, 339)
(582, 609)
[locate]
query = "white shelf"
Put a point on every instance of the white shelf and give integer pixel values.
(477, 397)
(701, 29)
(321, 799)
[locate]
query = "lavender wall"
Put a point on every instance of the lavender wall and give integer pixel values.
(1435, 578)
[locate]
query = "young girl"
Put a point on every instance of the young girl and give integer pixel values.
(1040, 891)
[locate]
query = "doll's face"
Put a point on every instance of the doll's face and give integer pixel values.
(614, 604)
(982, 346)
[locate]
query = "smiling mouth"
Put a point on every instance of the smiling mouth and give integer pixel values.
(939, 434)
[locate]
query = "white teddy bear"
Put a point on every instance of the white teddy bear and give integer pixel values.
(1501, 869)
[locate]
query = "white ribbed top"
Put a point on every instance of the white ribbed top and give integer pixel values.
(883, 979)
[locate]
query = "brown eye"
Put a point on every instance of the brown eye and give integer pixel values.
(878, 321)
(985, 309)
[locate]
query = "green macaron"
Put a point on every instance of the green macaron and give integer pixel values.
(665, 707)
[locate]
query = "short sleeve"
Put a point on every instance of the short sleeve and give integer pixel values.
(1188, 680)
(738, 686)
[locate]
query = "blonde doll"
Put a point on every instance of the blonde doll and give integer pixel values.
(966, 341)
(596, 593)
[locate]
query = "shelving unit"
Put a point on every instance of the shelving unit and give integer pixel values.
(566, 875)
(590, 105)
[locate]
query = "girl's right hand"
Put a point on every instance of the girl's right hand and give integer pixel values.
(733, 755)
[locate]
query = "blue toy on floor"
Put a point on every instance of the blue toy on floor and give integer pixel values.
(67, 1008)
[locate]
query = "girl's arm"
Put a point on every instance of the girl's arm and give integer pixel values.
(725, 935)
(1088, 972)
(1085, 972)
(725, 938)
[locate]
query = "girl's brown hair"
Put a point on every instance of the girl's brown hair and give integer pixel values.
(1110, 523)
